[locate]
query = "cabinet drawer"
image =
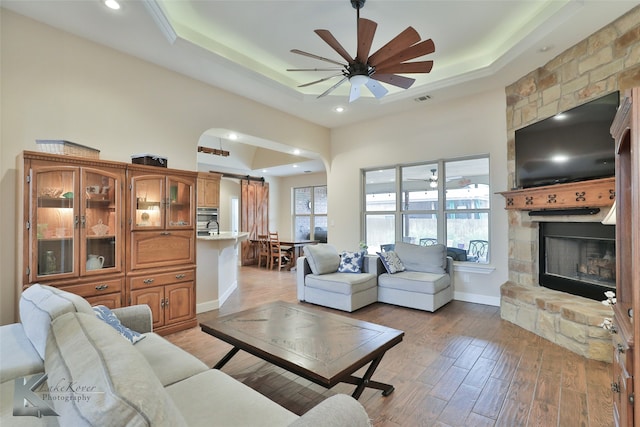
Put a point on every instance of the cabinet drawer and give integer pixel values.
(109, 300)
(96, 288)
(150, 279)
(151, 249)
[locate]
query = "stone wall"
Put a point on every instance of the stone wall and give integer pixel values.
(607, 61)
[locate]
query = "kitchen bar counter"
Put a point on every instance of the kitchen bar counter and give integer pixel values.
(217, 272)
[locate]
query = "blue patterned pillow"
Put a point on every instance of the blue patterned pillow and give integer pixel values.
(391, 262)
(103, 313)
(351, 262)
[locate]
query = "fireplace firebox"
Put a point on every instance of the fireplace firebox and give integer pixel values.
(578, 258)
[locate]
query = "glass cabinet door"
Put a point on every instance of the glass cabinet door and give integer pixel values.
(180, 203)
(100, 224)
(55, 218)
(148, 201)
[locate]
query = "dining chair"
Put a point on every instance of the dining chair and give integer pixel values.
(278, 256)
(263, 250)
(428, 241)
(478, 250)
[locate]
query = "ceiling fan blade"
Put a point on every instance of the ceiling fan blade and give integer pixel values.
(321, 80)
(331, 89)
(335, 44)
(311, 55)
(425, 47)
(406, 68)
(376, 88)
(313, 69)
(366, 31)
(405, 39)
(395, 80)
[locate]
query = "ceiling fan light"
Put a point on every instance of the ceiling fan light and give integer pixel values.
(358, 80)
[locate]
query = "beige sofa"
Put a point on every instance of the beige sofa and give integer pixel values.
(320, 282)
(424, 280)
(94, 376)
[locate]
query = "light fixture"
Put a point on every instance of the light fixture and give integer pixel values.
(339, 109)
(357, 82)
(296, 152)
(214, 151)
(433, 180)
(112, 4)
(233, 136)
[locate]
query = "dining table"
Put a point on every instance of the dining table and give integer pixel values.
(296, 246)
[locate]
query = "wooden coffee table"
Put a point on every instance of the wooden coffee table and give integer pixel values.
(322, 347)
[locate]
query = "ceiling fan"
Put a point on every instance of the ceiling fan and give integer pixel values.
(384, 65)
(432, 180)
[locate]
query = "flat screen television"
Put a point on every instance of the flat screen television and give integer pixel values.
(571, 146)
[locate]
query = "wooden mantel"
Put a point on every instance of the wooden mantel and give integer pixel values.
(583, 194)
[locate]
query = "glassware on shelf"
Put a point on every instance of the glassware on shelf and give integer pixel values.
(100, 229)
(50, 263)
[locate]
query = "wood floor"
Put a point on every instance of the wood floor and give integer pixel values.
(460, 366)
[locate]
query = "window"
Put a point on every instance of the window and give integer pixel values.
(434, 202)
(310, 213)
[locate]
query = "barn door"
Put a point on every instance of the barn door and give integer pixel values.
(254, 216)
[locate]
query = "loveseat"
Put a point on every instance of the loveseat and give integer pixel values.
(414, 276)
(101, 372)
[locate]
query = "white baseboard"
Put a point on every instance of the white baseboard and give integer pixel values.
(475, 298)
(222, 298)
(216, 303)
(207, 306)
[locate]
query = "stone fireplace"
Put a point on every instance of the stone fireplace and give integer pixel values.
(578, 258)
(571, 321)
(604, 62)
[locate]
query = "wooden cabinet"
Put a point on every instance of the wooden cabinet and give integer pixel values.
(171, 297)
(626, 360)
(73, 225)
(111, 232)
(583, 194)
(161, 245)
(208, 190)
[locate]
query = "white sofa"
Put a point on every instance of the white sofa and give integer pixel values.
(97, 377)
(319, 282)
(425, 282)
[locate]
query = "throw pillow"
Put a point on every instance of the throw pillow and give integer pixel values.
(322, 258)
(113, 383)
(391, 262)
(103, 313)
(427, 259)
(351, 262)
(39, 305)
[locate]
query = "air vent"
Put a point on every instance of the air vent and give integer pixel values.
(422, 98)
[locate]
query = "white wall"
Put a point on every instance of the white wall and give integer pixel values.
(469, 126)
(284, 218)
(58, 86)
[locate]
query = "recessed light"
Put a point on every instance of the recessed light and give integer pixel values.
(559, 158)
(544, 49)
(296, 152)
(233, 136)
(112, 4)
(339, 109)
(295, 166)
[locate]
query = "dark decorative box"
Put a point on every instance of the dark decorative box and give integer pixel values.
(149, 159)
